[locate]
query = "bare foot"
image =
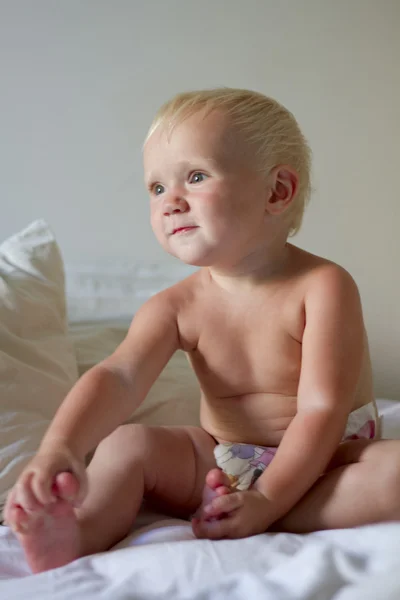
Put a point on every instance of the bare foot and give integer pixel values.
(51, 537)
(217, 484)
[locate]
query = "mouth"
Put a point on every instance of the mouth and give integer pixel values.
(183, 229)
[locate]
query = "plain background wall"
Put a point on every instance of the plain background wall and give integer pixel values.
(81, 79)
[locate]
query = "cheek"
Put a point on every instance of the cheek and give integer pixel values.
(214, 202)
(154, 216)
(155, 223)
(213, 215)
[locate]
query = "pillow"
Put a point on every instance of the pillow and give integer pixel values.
(37, 360)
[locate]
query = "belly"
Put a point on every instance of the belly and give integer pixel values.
(263, 418)
(259, 418)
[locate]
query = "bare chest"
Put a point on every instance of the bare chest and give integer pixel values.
(240, 349)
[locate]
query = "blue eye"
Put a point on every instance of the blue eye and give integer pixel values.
(158, 189)
(197, 177)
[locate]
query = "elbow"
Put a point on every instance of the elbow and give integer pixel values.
(106, 374)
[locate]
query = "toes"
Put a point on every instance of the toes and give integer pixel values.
(49, 540)
(19, 520)
(217, 484)
(8, 506)
(66, 486)
(217, 478)
(222, 490)
(23, 495)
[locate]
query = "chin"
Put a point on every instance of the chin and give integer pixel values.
(197, 263)
(193, 259)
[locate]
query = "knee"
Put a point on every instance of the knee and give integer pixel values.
(126, 441)
(389, 487)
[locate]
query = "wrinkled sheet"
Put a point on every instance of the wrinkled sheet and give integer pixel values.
(161, 559)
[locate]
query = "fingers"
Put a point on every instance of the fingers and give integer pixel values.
(235, 515)
(82, 486)
(75, 482)
(36, 490)
(48, 477)
(217, 529)
(25, 495)
(41, 484)
(223, 504)
(221, 518)
(208, 497)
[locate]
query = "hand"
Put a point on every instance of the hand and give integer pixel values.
(235, 515)
(38, 484)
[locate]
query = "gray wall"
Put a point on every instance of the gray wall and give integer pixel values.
(81, 79)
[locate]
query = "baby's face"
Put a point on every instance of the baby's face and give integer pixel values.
(207, 199)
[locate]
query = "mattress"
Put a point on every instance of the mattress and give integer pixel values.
(162, 559)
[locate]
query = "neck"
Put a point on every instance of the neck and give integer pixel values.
(261, 265)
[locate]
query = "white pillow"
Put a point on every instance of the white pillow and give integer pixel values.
(37, 360)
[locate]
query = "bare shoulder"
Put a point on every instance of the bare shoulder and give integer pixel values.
(153, 335)
(334, 336)
(160, 315)
(324, 278)
(171, 300)
(327, 293)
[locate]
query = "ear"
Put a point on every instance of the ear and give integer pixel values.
(283, 187)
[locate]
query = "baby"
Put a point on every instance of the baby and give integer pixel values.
(274, 334)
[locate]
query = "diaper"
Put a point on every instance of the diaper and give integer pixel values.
(244, 463)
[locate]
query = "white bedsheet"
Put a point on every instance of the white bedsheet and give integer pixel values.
(161, 559)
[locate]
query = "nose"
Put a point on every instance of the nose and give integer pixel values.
(174, 204)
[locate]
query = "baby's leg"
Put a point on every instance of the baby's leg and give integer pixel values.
(166, 465)
(361, 487)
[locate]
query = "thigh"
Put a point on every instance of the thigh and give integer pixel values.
(350, 493)
(351, 452)
(177, 460)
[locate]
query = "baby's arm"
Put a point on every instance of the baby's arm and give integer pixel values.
(332, 350)
(108, 394)
(100, 401)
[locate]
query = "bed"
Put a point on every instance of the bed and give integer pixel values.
(42, 354)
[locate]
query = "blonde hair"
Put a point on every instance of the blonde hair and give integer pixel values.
(265, 124)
